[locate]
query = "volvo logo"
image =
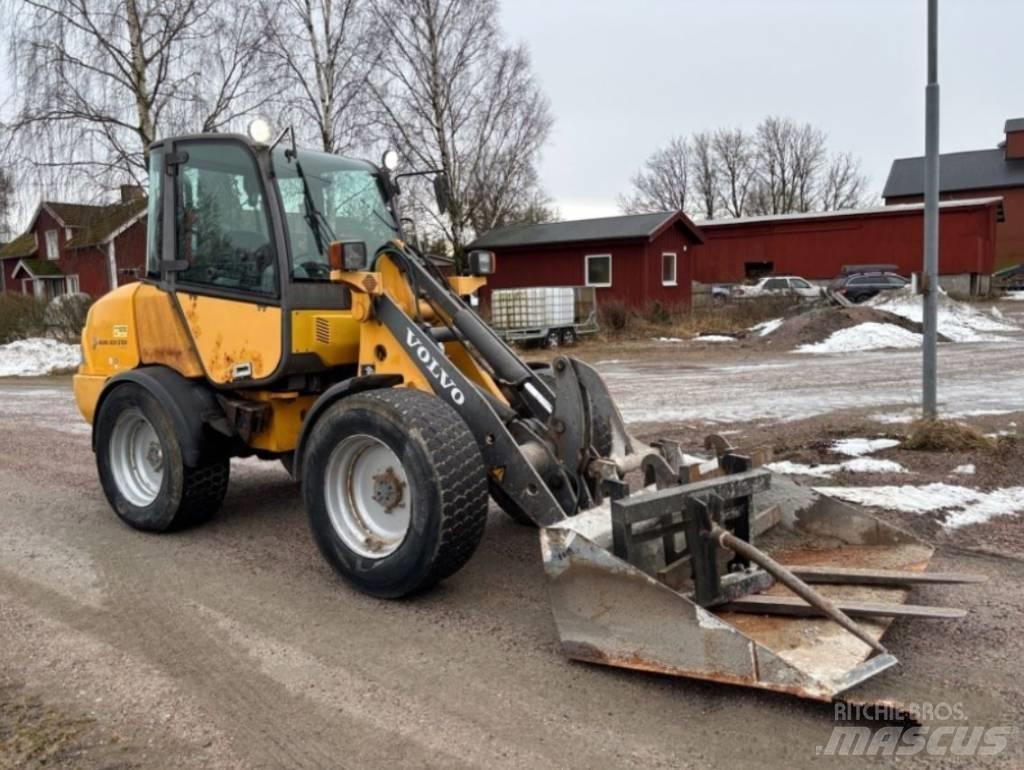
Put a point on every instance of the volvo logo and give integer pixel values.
(415, 344)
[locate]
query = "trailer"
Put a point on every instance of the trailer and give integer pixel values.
(546, 315)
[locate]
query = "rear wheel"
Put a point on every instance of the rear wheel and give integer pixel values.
(395, 490)
(141, 469)
(552, 339)
(568, 337)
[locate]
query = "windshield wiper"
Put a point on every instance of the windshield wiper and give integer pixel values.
(322, 231)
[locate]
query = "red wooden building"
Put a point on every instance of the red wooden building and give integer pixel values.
(635, 259)
(998, 171)
(70, 248)
(818, 245)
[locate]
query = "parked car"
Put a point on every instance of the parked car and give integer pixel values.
(778, 284)
(858, 287)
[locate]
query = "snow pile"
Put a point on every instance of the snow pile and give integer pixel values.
(37, 356)
(957, 320)
(865, 336)
(765, 328)
(1016, 296)
(667, 339)
(715, 338)
(962, 506)
(827, 470)
(857, 447)
(964, 470)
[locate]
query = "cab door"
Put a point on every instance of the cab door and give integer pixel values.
(226, 280)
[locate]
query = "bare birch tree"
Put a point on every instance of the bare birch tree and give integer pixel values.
(737, 167)
(790, 155)
(663, 184)
(844, 185)
(323, 53)
(453, 95)
(705, 174)
(96, 81)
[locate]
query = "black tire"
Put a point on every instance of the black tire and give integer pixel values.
(568, 337)
(186, 496)
(446, 478)
(551, 340)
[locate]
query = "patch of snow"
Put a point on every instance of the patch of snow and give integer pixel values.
(957, 320)
(856, 447)
(667, 339)
(827, 470)
(607, 361)
(785, 467)
(996, 313)
(872, 465)
(964, 470)
(963, 506)
(765, 328)
(715, 338)
(37, 356)
(865, 336)
(705, 464)
(1015, 296)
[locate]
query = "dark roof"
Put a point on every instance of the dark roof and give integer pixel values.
(22, 246)
(40, 267)
(73, 214)
(627, 227)
(106, 221)
(973, 170)
(1013, 124)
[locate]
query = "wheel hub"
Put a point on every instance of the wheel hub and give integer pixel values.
(155, 456)
(388, 489)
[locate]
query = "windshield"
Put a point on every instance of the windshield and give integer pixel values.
(346, 192)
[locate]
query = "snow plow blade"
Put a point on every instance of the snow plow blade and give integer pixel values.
(649, 582)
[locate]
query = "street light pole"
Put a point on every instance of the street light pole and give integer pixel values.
(930, 279)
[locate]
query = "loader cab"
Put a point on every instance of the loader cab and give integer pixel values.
(238, 238)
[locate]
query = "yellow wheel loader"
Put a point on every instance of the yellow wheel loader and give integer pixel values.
(283, 315)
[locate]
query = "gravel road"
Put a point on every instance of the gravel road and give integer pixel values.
(234, 645)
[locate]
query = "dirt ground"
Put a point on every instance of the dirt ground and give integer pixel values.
(234, 646)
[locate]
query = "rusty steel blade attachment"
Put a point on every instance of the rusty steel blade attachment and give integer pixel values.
(690, 580)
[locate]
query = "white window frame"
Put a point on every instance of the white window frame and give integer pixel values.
(675, 268)
(586, 270)
(52, 238)
(71, 285)
(67, 233)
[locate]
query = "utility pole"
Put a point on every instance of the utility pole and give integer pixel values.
(930, 276)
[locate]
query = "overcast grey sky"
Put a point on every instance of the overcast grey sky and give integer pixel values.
(625, 75)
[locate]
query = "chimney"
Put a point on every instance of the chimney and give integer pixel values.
(1013, 147)
(131, 192)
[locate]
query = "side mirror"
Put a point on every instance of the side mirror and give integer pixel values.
(481, 262)
(442, 192)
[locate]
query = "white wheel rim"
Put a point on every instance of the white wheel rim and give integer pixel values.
(368, 497)
(136, 458)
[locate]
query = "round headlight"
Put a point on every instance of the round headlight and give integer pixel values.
(389, 160)
(260, 131)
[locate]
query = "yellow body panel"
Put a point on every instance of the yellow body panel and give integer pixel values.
(231, 333)
(333, 335)
(109, 339)
(288, 410)
(87, 389)
(162, 338)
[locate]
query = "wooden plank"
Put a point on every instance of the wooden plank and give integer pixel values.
(879, 577)
(760, 604)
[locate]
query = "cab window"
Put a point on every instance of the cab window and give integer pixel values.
(222, 221)
(154, 213)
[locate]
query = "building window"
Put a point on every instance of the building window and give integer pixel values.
(71, 284)
(67, 233)
(668, 269)
(52, 248)
(599, 269)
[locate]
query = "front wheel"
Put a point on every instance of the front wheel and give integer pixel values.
(395, 490)
(141, 469)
